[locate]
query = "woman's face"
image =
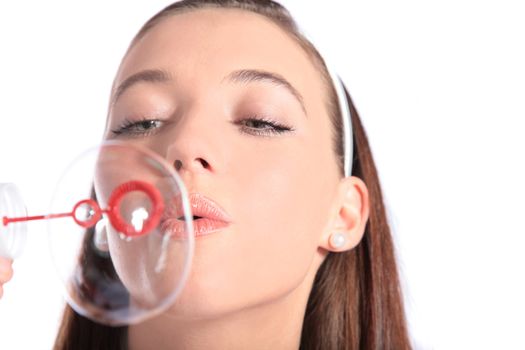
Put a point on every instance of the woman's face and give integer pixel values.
(212, 74)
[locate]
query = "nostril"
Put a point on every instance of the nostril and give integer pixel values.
(178, 165)
(204, 163)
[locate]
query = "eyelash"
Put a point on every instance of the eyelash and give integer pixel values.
(129, 127)
(274, 127)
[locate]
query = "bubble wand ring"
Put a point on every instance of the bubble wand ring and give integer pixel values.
(114, 207)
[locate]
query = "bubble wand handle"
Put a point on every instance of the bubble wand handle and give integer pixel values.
(6, 221)
(94, 215)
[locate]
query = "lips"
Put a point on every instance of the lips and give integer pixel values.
(208, 217)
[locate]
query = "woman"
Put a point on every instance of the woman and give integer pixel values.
(242, 105)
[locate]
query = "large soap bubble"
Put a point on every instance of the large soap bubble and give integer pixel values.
(120, 234)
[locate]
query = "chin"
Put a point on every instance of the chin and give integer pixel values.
(197, 302)
(204, 301)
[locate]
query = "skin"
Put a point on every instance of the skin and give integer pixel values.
(6, 273)
(249, 283)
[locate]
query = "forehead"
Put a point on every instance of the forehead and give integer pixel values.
(206, 44)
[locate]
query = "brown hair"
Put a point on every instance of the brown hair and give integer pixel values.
(356, 300)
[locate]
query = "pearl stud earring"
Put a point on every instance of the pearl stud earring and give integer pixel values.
(337, 240)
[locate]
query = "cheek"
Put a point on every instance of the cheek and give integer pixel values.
(280, 214)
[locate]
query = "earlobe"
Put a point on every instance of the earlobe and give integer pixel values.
(350, 215)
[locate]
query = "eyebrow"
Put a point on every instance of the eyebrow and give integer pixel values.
(238, 76)
(253, 75)
(148, 75)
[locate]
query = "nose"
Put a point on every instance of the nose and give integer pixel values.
(192, 147)
(190, 158)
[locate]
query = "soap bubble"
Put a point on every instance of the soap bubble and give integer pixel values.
(116, 256)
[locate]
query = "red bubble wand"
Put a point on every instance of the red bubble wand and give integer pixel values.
(113, 210)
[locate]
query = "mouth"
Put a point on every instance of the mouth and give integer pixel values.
(182, 218)
(206, 217)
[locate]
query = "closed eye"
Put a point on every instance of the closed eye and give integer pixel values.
(262, 126)
(259, 126)
(142, 127)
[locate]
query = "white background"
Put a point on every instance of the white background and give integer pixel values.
(440, 87)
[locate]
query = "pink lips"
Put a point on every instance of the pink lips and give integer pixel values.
(208, 217)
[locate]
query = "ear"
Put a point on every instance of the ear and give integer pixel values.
(349, 215)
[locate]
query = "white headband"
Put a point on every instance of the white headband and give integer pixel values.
(344, 104)
(344, 107)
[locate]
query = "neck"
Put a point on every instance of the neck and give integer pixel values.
(273, 325)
